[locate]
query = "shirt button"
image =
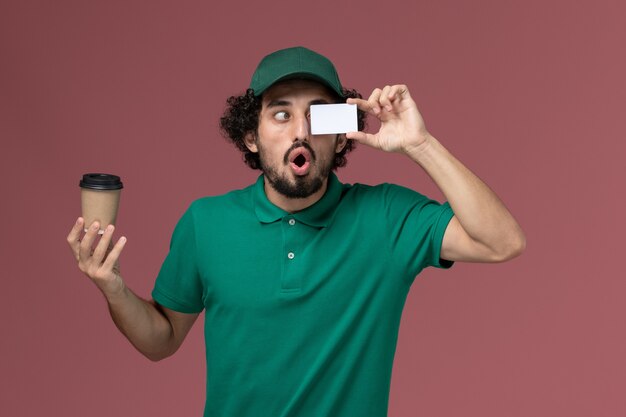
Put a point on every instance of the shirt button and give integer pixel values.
(290, 255)
(292, 222)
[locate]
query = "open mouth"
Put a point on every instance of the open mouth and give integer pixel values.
(300, 160)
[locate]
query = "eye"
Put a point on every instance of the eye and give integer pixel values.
(281, 116)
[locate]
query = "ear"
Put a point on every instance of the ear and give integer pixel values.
(250, 141)
(341, 142)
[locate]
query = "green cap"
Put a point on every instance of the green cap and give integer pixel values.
(294, 63)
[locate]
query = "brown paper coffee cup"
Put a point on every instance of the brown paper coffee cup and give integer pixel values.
(100, 199)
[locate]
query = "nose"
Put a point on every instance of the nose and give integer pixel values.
(302, 127)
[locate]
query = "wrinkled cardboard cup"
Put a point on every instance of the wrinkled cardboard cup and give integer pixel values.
(100, 199)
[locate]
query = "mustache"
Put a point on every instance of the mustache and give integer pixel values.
(296, 145)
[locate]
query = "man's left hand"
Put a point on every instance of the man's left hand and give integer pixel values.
(402, 128)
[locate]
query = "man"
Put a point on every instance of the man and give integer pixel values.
(302, 278)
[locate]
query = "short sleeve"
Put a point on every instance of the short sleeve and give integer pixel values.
(178, 285)
(416, 226)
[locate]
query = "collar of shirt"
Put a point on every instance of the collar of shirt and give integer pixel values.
(318, 215)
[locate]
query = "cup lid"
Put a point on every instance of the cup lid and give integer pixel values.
(96, 181)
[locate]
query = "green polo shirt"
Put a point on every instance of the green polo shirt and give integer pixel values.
(302, 310)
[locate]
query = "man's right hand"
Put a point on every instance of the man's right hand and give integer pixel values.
(100, 264)
(157, 332)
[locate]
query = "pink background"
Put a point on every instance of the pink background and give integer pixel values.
(530, 95)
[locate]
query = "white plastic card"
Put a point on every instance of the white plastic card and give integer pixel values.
(333, 118)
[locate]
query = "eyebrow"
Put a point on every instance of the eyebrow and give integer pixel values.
(280, 103)
(319, 101)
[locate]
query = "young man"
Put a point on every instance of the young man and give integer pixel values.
(303, 278)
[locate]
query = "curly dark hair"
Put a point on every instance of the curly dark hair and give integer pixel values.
(241, 117)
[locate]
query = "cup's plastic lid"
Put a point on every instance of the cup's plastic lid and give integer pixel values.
(101, 182)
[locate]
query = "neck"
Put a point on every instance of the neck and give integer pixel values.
(292, 205)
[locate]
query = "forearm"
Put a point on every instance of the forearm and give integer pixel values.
(479, 210)
(142, 323)
(145, 326)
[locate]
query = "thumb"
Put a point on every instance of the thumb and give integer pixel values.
(362, 137)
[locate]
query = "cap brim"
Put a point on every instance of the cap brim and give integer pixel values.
(299, 76)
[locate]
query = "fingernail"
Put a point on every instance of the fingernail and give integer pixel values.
(95, 226)
(109, 228)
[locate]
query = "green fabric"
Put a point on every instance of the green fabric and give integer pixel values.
(314, 335)
(297, 62)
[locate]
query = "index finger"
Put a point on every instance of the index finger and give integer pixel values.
(111, 258)
(363, 105)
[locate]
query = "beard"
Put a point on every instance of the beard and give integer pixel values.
(302, 186)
